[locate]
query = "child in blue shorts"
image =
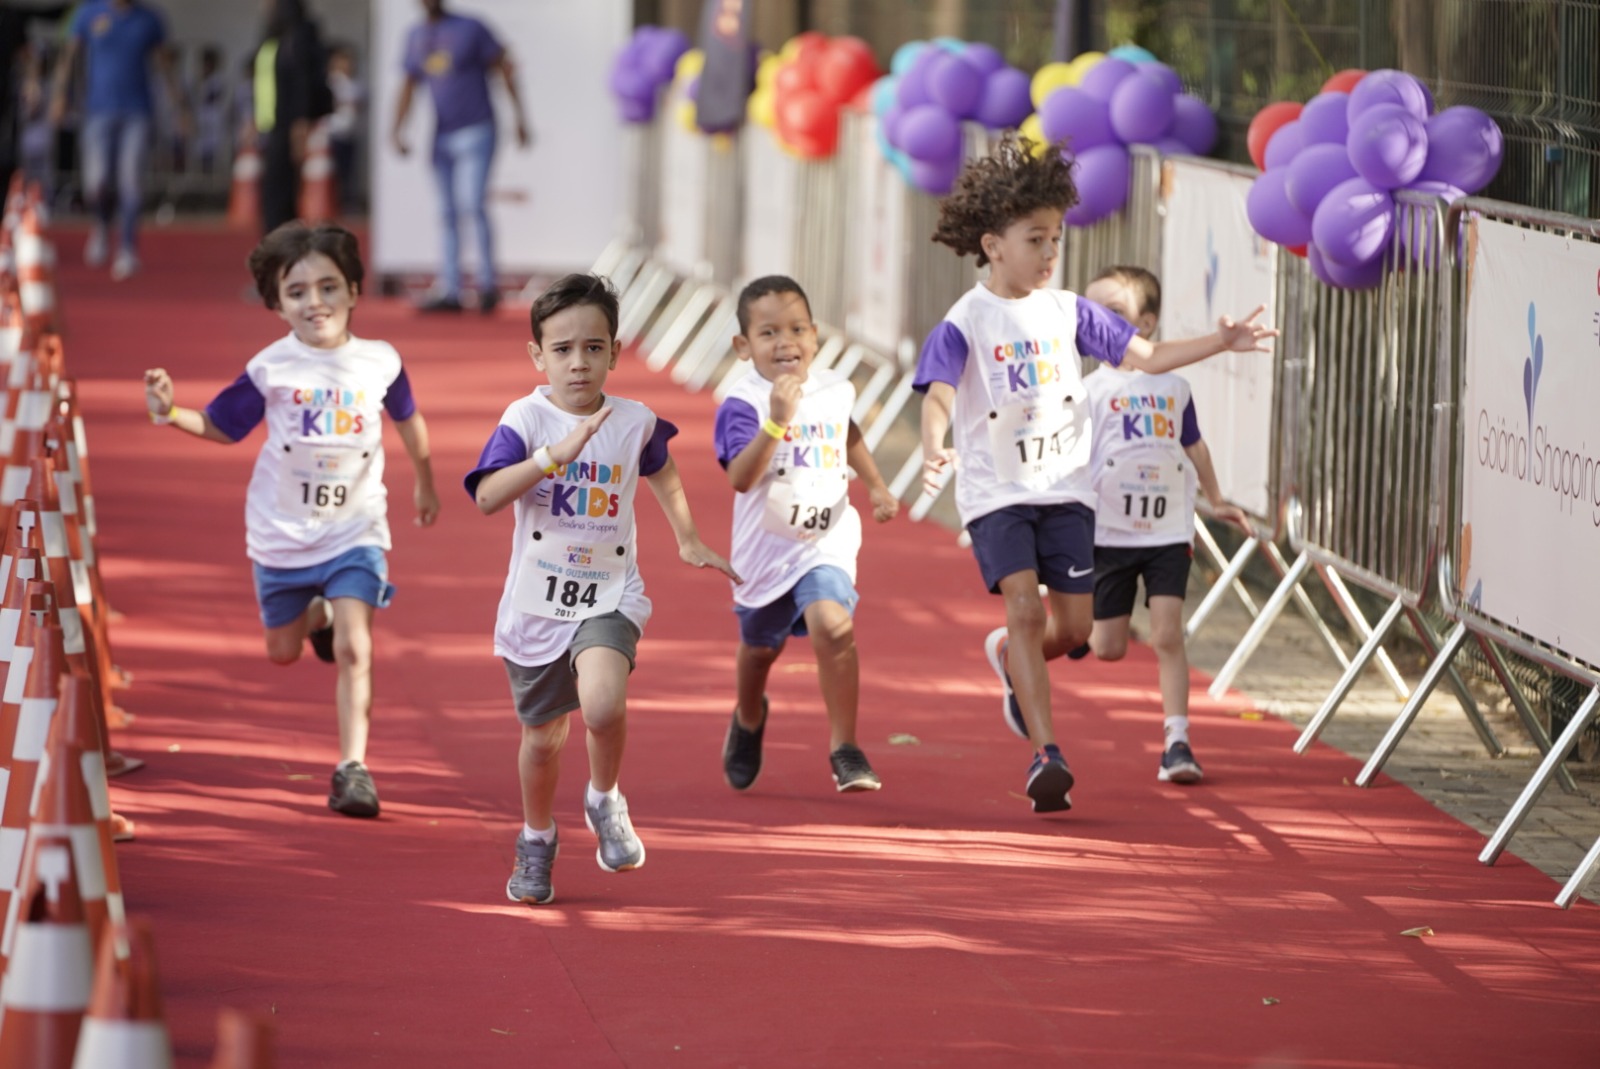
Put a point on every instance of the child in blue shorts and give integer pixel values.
(1001, 370)
(316, 512)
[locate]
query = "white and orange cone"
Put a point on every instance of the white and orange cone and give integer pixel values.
(36, 642)
(33, 258)
(124, 1028)
(319, 200)
(244, 200)
(48, 972)
(245, 1041)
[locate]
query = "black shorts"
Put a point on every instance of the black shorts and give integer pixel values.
(1118, 569)
(1056, 542)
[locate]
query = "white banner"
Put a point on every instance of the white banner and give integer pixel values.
(553, 206)
(1214, 264)
(771, 201)
(1530, 488)
(875, 245)
(684, 175)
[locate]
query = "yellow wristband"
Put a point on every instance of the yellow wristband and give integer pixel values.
(162, 421)
(774, 428)
(544, 461)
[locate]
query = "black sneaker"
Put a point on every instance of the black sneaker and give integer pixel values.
(352, 792)
(851, 772)
(1049, 780)
(994, 648)
(322, 640)
(488, 301)
(1179, 766)
(440, 305)
(741, 751)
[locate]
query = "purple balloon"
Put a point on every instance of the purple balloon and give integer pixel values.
(1284, 145)
(986, 58)
(1006, 100)
(1172, 146)
(1194, 123)
(1388, 145)
(1465, 148)
(930, 134)
(890, 124)
(1389, 87)
(956, 85)
(633, 83)
(1361, 277)
(1325, 119)
(1104, 77)
(1315, 171)
(1102, 179)
(1162, 73)
(660, 57)
(1354, 222)
(637, 111)
(936, 178)
(913, 87)
(1269, 211)
(1071, 115)
(1141, 108)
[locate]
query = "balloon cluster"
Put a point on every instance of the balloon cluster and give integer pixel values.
(932, 88)
(1332, 166)
(1099, 104)
(799, 91)
(643, 68)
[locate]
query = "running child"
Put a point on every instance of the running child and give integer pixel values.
(568, 458)
(786, 438)
(1002, 370)
(316, 512)
(1147, 459)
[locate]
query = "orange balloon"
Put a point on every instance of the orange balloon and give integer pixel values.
(1265, 124)
(1344, 81)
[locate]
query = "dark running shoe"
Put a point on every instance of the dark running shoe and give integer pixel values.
(741, 751)
(1179, 766)
(353, 793)
(440, 306)
(1049, 780)
(994, 648)
(488, 301)
(530, 876)
(322, 638)
(851, 770)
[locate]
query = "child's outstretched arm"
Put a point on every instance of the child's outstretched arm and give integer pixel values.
(884, 504)
(938, 459)
(158, 395)
(668, 488)
(414, 433)
(499, 488)
(1232, 336)
(1200, 456)
(747, 468)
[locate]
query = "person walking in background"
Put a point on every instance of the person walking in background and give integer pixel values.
(344, 127)
(120, 39)
(454, 55)
(211, 111)
(291, 92)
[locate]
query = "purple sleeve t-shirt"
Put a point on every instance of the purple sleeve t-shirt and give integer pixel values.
(1101, 334)
(240, 406)
(453, 55)
(736, 427)
(505, 447)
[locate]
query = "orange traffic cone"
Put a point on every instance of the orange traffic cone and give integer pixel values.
(16, 197)
(318, 197)
(78, 453)
(48, 969)
(28, 408)
(124, 1028)
(10, 328)
(35, 279)
(38, 647)
(85, 721)
(244, 200)
(23, 566)
(245, 1041)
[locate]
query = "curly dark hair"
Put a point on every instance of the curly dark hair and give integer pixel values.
(995, 191)
(292, 242)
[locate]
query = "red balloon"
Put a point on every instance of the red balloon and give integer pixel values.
(843, 70)
(1344, 81)
(1265, 124)
(809, 46)
(792, 78)
(809, 123)
(1298, 250)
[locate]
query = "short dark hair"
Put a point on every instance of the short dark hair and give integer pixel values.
(766, 286)
(570, 292)
(294, 241)
(998, 189)
(1145, 285)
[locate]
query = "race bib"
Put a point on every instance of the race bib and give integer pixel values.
(1039, 443)
(805, 507)
(322, 483)
(1146, 493)
(563, 578)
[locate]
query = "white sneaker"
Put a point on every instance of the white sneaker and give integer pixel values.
(94, 250)
(125, 265)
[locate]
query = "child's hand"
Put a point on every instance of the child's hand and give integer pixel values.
(701, 555)
(426, 499)
(567, 450)
(786, 391)
(1232, 514)
(884, 504)
(1246, 335)
(937, 469)
(158, 392)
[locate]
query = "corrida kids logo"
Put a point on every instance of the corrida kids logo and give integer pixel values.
(584, 488)
(816, 445)
(1527, 451)
(1030, 363)
(329, 413)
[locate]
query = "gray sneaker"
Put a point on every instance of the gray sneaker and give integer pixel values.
(620, 849)
(530, 879)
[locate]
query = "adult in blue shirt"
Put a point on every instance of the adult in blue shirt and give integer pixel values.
(454, 55)
(119, 40)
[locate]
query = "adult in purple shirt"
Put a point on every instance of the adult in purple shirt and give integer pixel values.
(454, 55)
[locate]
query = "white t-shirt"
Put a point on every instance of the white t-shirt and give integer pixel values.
(317, 489)
(1144, 480)
(573, 550)
(798, 516)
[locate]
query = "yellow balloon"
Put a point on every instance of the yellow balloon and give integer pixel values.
(1033, 130)
(762, 109)
(1081, 64)
(1048, 79)
(686, 116)
(791, 48)
(768, 71)
(690, 64)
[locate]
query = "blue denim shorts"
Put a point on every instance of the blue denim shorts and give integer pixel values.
(284, 593)
(1054, 541)
(770, 625)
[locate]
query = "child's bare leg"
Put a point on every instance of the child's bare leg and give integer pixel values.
(1109, 639)
(1025, 653)
(539, 768)
(603, 695)
(285, 643)
(1071, 621)
(1166, 638)
(752, 665)
(352, 654)
(833, 636)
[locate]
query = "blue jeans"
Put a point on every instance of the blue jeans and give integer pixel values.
(121, 140)
(461, 162)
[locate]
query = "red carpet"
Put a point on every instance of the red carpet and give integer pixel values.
(1254, 920)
